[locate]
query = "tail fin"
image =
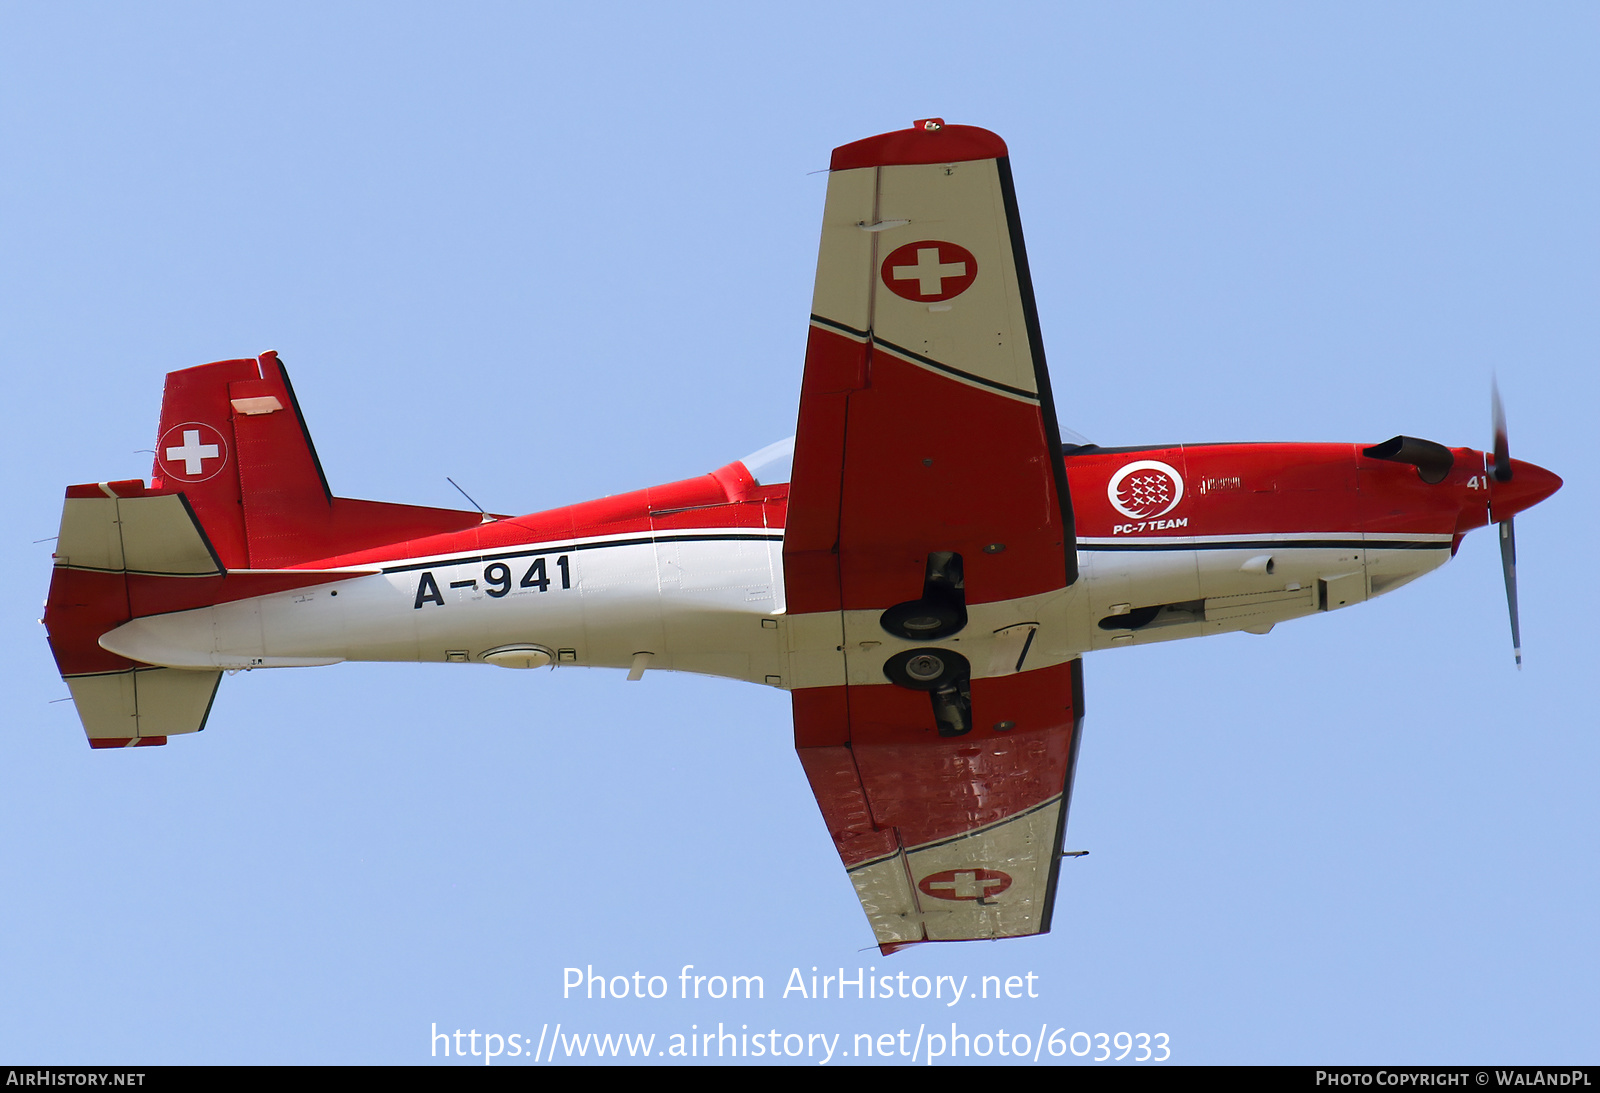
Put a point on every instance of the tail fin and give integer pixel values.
(237, 487)
(234, 441)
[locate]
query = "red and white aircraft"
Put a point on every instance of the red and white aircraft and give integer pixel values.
(924, 584)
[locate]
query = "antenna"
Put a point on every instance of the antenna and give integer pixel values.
(467, 495)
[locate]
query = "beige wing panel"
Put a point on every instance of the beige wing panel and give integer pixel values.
(955, 240)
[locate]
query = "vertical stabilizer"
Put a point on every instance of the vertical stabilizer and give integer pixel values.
(234, 441)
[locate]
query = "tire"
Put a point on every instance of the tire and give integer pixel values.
(923, 620)
(926, 669)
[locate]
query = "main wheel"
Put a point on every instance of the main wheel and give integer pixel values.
(923, 620)
(926, 669)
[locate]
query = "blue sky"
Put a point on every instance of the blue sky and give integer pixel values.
(560, 254)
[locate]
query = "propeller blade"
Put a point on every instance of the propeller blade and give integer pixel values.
(1508, 564)
(1502, 447)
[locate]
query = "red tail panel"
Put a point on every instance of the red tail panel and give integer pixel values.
(287, 502)
(234, 441)
(196, 452)
(84, 604)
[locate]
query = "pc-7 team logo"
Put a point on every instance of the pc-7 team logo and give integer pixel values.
(1145, 489)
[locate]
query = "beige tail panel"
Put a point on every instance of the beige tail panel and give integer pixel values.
(157, 535)
(143, 706)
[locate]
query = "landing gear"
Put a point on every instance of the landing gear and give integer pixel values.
(946, 676)
(942, 610)
(920, 620)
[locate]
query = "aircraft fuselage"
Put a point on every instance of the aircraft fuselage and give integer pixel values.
(1173, 542)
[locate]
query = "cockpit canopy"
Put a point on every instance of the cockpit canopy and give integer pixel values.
(772, 464)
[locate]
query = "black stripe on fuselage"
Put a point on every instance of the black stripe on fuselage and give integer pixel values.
(777, 536)
(569, 548)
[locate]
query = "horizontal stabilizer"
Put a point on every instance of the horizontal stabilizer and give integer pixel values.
(143, 706)
(127, 552)
(128, 530)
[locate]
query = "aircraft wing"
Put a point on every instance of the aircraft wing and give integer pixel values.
(929, 492)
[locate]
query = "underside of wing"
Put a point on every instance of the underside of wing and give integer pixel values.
(947, 839)
(926, 414)
(929, 547)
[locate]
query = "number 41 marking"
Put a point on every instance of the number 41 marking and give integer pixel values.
(536, 577)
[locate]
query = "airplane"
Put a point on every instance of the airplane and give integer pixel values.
(922, 566)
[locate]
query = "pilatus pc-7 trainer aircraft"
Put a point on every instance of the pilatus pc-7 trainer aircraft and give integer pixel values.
(924, 583)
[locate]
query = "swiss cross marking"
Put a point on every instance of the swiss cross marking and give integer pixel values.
(974, 884)
(191, 452)
(929, 270)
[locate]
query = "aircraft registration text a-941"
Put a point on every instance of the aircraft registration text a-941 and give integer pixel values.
(922, 566)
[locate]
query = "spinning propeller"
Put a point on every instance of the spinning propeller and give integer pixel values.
(1508, 534)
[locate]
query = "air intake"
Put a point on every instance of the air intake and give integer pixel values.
(1433, 461)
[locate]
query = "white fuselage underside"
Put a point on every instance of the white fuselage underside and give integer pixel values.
(712, 602)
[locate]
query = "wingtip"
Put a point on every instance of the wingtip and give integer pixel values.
(928, 140)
